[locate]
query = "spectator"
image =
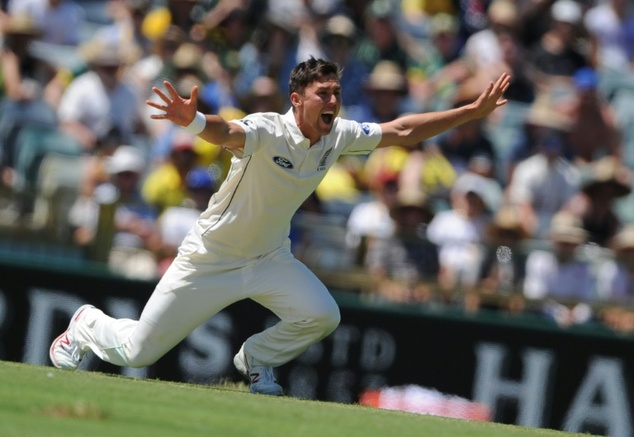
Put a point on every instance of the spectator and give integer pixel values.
(339, 191)
(440, 69)
(217, 92)
(558, 277)
(165, 186)
(263, 96)
(127, 28)
(289, 36)
(132, 253)
(152, 69)
(535, 17)
(443, 35)
(594, 131)
(479, 174)
(230, 33)
(473, 16)
(427, 169)
(460, 233)
(544, 182)
(178, 13)
(461, 144)
(557, 54)
(372, 219)
(484, 49)
(27, 86)
(416, 17)
(339, 38)
(611, 27)
(61, 21)
(244, 35)
(174, 223)
(187, 62)
(95, 171)
(386, 89)
(603, 183)
(380, 37)
(387, 164)
(402, 263)
(504, 265)
(498, 48)
(98, 100)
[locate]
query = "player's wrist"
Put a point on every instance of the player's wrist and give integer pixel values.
(197, 125)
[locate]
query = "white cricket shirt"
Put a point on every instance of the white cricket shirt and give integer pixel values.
(250, 214)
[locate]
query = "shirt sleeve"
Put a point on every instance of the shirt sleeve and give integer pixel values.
(361, 138)
(251, 125)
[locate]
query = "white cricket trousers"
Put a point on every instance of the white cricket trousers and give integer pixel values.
(197, 286)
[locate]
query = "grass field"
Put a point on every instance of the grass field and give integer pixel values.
(43, 401)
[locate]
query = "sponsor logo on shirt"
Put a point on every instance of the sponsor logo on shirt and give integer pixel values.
(322, 161)
(282, 162)
(365, 127)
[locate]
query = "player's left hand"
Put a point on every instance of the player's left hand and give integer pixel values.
(491, 98)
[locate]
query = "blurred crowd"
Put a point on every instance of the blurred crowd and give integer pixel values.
(529, 210)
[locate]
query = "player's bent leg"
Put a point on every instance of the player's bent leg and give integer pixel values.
(307, 311)
(185, 297)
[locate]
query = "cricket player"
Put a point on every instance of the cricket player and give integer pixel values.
(239, 248)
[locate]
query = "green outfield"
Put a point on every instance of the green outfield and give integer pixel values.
(43, 401)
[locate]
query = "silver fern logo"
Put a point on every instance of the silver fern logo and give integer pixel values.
(324, 160)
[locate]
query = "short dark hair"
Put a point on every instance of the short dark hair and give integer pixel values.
(308, 71)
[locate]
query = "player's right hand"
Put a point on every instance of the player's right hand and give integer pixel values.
(177, 109)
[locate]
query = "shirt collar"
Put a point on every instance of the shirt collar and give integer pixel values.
(292, 130)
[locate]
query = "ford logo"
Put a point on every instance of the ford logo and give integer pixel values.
(282, 162)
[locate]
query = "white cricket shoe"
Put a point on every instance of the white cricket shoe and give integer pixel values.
(261, 378)
(64, 352)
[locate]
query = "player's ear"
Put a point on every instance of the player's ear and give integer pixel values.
(296, 99)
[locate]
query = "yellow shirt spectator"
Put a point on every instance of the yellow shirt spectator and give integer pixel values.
(166, 185)
(384, 164)
(338, 184)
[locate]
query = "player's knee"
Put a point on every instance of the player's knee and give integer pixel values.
(329, 320)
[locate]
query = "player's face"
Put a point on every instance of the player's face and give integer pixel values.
(317, 107)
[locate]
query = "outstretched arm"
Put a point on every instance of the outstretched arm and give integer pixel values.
(414, 128)
(182, 111)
